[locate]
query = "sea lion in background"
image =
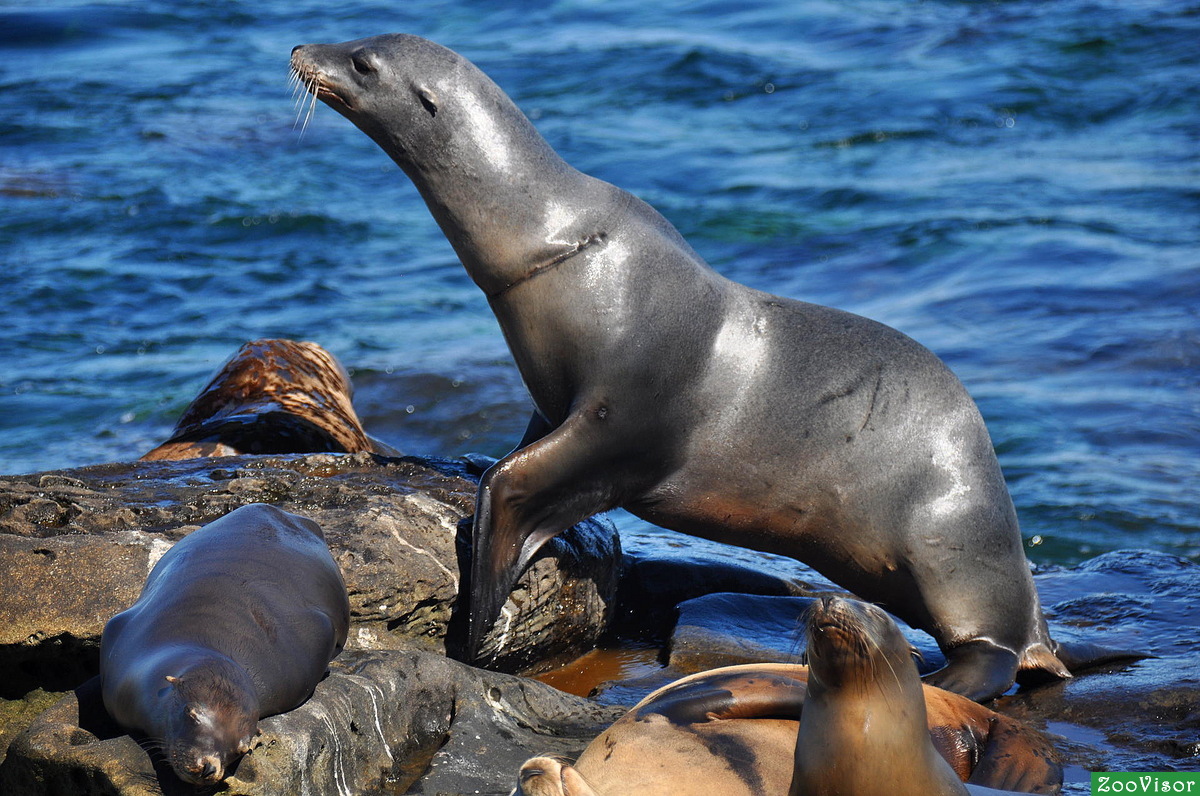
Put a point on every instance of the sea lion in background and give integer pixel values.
(694, 402)
(272, 396)
(858, 722)
(237, 621)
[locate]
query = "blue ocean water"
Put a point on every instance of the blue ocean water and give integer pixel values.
(1015, 184)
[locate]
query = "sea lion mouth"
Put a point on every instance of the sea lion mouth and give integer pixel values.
(833, 618)
(315, 81)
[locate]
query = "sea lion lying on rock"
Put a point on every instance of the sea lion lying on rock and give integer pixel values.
(237, 621)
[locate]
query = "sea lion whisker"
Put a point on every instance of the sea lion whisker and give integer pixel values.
(304, 107)
(305, 85)
(879, 653)
(312, 105)
(299, 92)
(155, 748)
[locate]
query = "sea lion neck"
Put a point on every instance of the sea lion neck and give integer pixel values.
(847, 734)
(864, 702)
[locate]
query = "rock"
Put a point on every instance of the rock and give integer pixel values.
(16, 715)
(77, 545)
(728, 629)
(1138, 716)
(731, 629)
(391, 721)
(651, 589)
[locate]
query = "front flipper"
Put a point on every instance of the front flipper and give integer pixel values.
(531, 496)
(978, 670)
(1017, 758)
(738, 692)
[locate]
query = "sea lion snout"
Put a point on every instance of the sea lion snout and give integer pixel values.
(831, 614)
(207, 770)
(846, 638)
(550, 775)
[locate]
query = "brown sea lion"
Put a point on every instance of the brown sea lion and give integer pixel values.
(237, 621)
(272, 396)
(753, 730)
(696, 403)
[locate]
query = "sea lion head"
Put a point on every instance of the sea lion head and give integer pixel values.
(855, 643)
(212, 718)
(424, 104)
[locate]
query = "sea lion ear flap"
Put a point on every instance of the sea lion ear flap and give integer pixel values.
(916, 655)
(429, 99)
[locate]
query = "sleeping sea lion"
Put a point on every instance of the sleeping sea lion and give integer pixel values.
(237, 621)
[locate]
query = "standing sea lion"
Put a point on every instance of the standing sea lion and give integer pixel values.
(857, 722)
(237, 621)
(272, 396)
(692, 401)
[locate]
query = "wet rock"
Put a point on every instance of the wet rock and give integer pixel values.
(76, 546)
(1134, 716)
(731, 629)
(651, 589)
(382, 721)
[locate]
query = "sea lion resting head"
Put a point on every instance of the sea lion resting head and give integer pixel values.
(210, 715)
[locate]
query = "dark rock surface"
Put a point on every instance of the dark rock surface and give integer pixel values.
(79, 543)
(652, 589)
(383, 721)
(76, 546)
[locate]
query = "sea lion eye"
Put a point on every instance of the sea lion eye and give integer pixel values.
(362, 64)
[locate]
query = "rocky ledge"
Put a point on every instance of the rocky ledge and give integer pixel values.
(397, 715)
(76, 546)
(382, 721)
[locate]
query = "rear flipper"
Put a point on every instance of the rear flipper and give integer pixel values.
(1075, 656)
(981, 670)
